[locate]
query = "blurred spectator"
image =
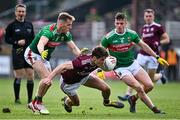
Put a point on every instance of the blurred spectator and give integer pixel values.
(93, 16)
(162, 54)
(172, 59)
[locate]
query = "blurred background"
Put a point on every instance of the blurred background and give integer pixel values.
(94, 18)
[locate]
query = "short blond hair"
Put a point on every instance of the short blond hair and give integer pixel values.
(65, 16)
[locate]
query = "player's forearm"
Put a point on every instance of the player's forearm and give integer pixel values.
(165, 41)
(40, 48)
(148, 50)
(57, 70)
(76, 51)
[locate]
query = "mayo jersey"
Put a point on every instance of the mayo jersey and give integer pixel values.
(120, 46)
(55, 39)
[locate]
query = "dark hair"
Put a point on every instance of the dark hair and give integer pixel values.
(64, 16)
(120, 16)
(20, 5)
(149, 11)
(99, 52)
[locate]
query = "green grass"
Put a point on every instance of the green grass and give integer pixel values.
(166, 97)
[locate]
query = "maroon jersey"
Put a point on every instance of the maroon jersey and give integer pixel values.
(82, 68)
(151, 35)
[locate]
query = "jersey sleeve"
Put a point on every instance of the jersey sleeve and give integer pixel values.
(47, 33)
(104, 42)
(69, 37)
(135, 38)
(161, 30)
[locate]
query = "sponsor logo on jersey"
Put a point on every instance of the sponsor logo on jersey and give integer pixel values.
(121, 47)
(53, 44)
(144, 35)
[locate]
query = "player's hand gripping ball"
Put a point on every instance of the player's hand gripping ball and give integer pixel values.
(109, 63)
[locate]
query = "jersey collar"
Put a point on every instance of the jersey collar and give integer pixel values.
(148, 25)
(122, 33)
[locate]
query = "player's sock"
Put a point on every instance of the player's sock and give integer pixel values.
(30, 86)
(38, 98)
(17, 83)
(132, 102)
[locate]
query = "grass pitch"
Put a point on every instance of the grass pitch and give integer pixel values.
(166, 97)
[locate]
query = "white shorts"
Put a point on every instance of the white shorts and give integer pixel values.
(133, 69)
(71, 89)
(31, 57)
(147, 62)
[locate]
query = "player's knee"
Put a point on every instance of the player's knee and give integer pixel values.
(139, 89)
(148, 87)
(30, 76)
(18, 75)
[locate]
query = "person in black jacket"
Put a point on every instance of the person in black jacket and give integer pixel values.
(19, 34)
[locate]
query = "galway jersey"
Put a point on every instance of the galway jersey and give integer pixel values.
(82, 67)
(55, 39)
(151, 35)
(120, 46)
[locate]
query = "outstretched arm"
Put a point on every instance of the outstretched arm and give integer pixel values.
(148, 50)
(75, 50)
(58, 70)
(42, 42)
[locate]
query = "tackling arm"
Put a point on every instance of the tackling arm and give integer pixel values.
(75, 50)
(147, 49)
(60, 69)
(42, 42)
